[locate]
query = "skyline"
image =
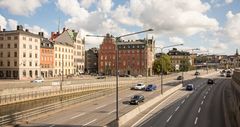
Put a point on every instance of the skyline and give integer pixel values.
(212, 25)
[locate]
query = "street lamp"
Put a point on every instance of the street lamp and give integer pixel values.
(117, 39)
(162, 62)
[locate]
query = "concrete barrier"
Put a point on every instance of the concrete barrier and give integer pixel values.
(130, 115)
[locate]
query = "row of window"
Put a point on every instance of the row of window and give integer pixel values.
(66, 56)
(15, 63)
(8, 63)
(8, 74)
(8, 46)
(124, 63)
(30, 55)
(15, 54)
(30, 73)
(46, 58)
(62, 50)
(67, 64)
(2, 38)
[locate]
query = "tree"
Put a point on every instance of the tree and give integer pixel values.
(164, 62)
(185, 64)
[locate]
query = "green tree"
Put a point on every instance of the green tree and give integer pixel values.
(185, 65)
(163, 63)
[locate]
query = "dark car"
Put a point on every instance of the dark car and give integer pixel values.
(197, 73)
(136, 99)
(101, 77)
(210, 81)
(228, 75)
(180, 78)
(190, 87)
(151, 87)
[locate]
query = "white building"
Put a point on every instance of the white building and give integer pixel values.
(19, 54)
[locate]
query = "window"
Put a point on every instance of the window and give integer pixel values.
(1, 45)
(30, 39)
(36, 64)
(30, 63)
(9, 45)
(8, 63)
(24, 73)
(24, 63)
(55, 55)
(36, 47)
(24, 38)
(9, 54)
(36, 56)
(24, 54)
(36, 40)
(15, 45)
(15, 54)
(15, 63)
(1, 63)
(15, 37)
(24, 46)
(1, 54)
(9, 38)
(30, 46)
(30, 55)
(1, 38)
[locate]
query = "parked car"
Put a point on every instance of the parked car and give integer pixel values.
(222, 74)
(190, 87)
(210, 81)
(197, 73)
(37, 80)
(139, 86)
(101, 77)
(180, 78)
(136, 99)
(228, 74)
(151, 87)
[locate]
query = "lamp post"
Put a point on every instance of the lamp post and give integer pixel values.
(117, 39)
(162, 62)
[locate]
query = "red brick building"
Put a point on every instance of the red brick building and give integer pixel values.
(135, 57)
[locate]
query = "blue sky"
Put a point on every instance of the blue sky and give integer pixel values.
(206, 24)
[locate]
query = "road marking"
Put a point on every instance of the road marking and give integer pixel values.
(204, 97)
(90, 122)
(101, 106)
(78, 115)
(176, 108)
(187, 96)
(202, 102)
(112, 111)
(183, 101)
(169, 119)
(199, 110)
(52, 126)
(196, 119)
(206, 92)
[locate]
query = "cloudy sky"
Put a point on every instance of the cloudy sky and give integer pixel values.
(212, 25)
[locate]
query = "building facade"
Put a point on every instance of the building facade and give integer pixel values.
(47, 58)
(91, 61)
(73, 38)
(135, 57)
(19, 54)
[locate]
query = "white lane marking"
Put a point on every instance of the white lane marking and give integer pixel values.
(199, 110)
(187, 96)
(206, 92)
(169, 119)
(204, 97)
(202, 102)
(196, 119)
(78, 115)
(52, 126)
(90, 122)
(101, 106)
(112, 111)
(176, 108)
(183, 101)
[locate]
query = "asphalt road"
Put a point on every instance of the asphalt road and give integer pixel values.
(201, 108)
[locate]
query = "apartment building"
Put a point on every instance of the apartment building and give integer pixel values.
(19, 54)
(91, 60)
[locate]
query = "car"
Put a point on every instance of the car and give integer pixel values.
(139, 86)
(180, 78)
(136, 99)
(197, 73)
(151, 87)
(228, 75)
(222, 74)
(210, 81)
(190, 87)
(37, 80)
(101, 77)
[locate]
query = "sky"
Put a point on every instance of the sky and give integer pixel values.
(210, 25)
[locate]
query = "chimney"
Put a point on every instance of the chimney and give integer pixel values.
(4, 30)
(41, 34)
(27, 30)
(73, 31)
(19, 27)
(64, 29)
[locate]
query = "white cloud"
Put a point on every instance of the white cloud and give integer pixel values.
(12, 24)
(228, 1)
(176, 40)
(105, 5)
(3, 22)
(22, 7)
(87, 3)
(219, 46)
(232, 27)
(35, 29)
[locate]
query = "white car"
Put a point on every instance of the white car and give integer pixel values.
(37, 80)
(139, 86)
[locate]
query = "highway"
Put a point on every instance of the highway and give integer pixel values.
(200, 108)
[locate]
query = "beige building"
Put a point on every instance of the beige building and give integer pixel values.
(63, 53)
(73, 38)
(19, 54)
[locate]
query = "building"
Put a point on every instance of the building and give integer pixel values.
(91, 61)
(177, 58)
(63, 59)
(19, 54)
(70, 37)
(135, 57)
(231, 61)
(47, 58)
